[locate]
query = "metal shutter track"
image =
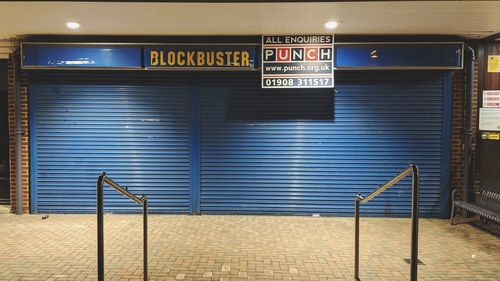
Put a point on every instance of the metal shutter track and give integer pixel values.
(307, 166)
(139, 135)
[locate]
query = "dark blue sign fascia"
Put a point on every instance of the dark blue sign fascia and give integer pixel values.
(346, 56)
(398, 55)
(198, 57)
(75, 56)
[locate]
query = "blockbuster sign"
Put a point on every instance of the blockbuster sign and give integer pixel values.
(193, 57)
(297, 61)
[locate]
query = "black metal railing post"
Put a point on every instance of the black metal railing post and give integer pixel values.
(100, 223)
(413, 169)
(100, 228)
(144, 200)
(414, 221)
(356, 236)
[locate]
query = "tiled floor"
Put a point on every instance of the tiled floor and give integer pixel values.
(4, 209)
(63, 247)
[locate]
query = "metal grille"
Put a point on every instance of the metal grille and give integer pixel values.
(300, 166)
(139, 134)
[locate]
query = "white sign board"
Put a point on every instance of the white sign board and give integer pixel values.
(297, 61)
(489, 119)
(491, 98)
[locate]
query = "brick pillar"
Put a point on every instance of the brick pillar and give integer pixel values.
(24, 140)
(458, 130)
(475, 127)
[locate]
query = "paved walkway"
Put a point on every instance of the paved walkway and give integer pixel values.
(4, 209)
(63, 247)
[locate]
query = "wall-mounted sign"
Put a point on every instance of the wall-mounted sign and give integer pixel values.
(489, 119)
(490, 135)
(75, 56)
(491, 98)
(297, 61)
(494, 63)
(212, 57)
(290, 61)
(398, 55)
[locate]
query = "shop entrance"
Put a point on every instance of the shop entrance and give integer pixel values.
(211, 143)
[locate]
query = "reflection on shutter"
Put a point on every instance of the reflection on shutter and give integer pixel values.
(139, 135)
(301, 166)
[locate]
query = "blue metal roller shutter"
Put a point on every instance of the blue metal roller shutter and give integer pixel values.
(139, 135)
(317, 166)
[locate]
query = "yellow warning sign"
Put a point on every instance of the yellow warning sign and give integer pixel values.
(494, 63)
(490, 136)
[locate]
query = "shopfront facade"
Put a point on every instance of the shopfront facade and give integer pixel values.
(214, 141)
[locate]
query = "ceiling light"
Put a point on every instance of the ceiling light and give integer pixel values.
(331, 24)
(72, 25)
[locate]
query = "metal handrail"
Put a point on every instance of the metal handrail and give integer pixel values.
(143, 200)
(413, 169)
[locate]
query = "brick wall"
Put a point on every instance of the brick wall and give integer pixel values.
(475, 126)
(25, 138)
(458, 130)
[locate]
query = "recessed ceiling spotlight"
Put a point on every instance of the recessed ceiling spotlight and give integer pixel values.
(331, 24)
(73, 25)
